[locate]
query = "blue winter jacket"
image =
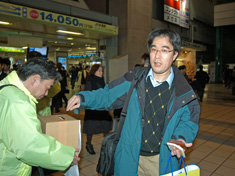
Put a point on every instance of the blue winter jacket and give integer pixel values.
(181, 121)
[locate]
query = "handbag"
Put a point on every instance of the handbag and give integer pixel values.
(106, 163)
(189, 170)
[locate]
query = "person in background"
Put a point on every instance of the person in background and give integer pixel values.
(6, 64)
(2, 73)
(22, 144)
(182, 69)
(95, 122)
(84, 76)
(233, 81)
(202, 79)
(80, 76)
(73, 74)
(152, 118)
(144, 60)
(57, 100)
(227, 77)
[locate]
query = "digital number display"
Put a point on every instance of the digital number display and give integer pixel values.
(50, 17)
(60, 19)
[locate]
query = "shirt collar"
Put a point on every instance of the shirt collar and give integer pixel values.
(155, 83)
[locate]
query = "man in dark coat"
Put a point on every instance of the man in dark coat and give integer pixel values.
(202, 79)
(2, 73)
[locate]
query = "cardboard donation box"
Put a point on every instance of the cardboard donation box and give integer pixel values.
(63, 128)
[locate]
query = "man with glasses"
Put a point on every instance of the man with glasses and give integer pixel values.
(163, 106)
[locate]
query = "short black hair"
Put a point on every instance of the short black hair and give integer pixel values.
(39, 66)
(6, 61)
(173, 36)
(145, 56)
(34, 54)
(182, 67)
(200, 67)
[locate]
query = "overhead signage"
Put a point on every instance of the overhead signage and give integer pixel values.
(54, 18)
(184, 13)
(83, 55)
(12, 50)
(177, 12)
(172, 11)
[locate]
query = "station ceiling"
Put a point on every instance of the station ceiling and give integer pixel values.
(56, 41)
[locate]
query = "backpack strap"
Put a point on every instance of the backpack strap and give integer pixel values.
(137, 77)
(5, 85)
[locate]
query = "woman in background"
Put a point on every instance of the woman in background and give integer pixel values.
(95, 122)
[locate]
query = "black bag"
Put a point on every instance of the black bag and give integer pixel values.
(105, 164)
(106, 161)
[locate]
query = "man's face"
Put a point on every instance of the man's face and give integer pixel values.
(162, 55)
(5, 67)
(40, 88)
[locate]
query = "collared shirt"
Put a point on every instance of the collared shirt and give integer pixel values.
(155, 83)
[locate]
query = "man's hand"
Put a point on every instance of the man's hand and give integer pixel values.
(75, 158)
(73, 103)
(177, 152)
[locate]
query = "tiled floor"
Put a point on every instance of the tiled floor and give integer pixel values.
(214, 148)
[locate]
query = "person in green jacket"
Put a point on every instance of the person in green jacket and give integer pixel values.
(22, 143)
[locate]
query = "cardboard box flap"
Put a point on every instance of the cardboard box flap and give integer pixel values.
(56, 118)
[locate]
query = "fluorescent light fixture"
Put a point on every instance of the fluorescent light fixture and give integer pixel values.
(69, 32)
(5, 23)
(91, 48)
(69, 38)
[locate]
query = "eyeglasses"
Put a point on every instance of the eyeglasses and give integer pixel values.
(161, 51)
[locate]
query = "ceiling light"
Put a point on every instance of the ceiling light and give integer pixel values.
(5, 23)
(71, 43)
(91, 48)
(69, 38)
(69, 32)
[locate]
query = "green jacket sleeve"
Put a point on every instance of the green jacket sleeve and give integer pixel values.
(21, 134)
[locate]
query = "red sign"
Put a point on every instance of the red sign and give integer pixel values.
(34, 14)
(173, 3)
